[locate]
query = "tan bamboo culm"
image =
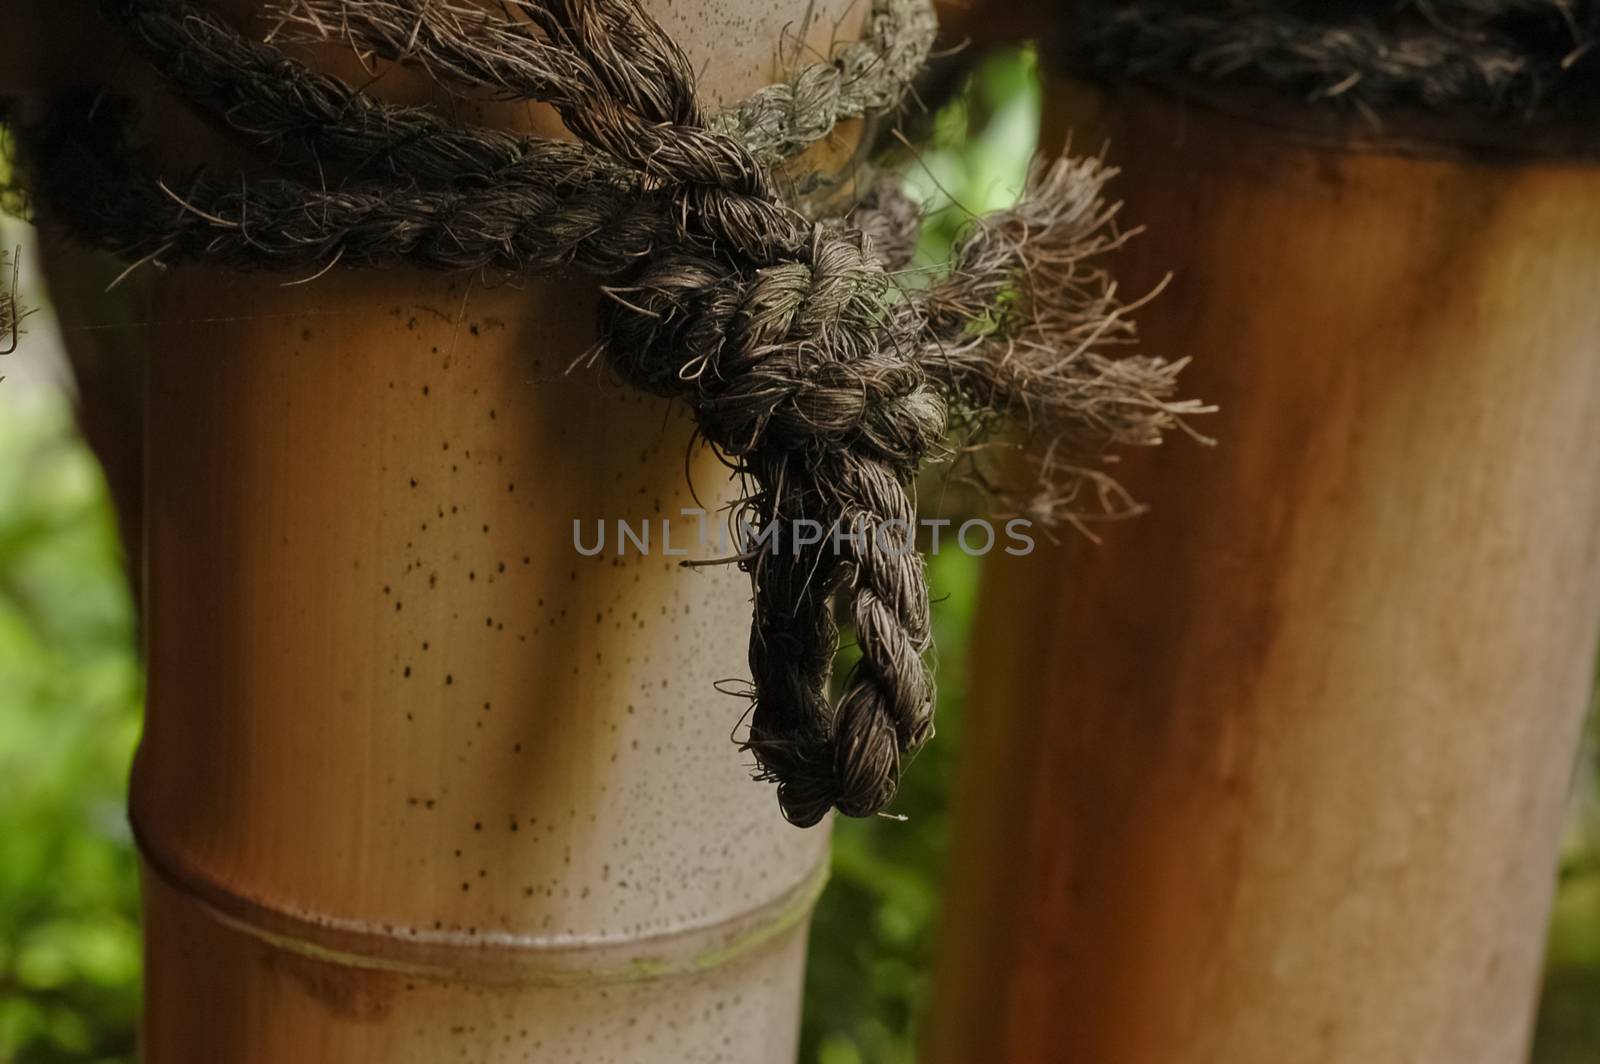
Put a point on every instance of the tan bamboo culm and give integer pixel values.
(419, 782)
(1279, 769)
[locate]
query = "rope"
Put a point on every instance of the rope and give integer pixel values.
(1522, 59)
(822, 383)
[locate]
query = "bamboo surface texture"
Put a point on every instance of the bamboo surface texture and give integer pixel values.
(1278, 771)
(419, 782)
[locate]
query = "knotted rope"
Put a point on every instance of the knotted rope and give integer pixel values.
(823, 383)
(1495, 58)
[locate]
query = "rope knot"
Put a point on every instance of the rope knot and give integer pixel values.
(796, 356)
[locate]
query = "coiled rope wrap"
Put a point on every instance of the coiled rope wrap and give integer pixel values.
(822, 383)
(1521, 59)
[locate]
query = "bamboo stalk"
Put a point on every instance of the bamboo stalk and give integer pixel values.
(416, 776)
(419, 781)
(1276, 774)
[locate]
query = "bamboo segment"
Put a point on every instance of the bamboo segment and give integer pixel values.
(1276, 773)
(398, 723)
(421, 782)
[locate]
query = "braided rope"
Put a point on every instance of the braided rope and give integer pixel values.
(1500, 58)
(823, 384)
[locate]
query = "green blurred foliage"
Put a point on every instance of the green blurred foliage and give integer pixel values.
(869, 973)
(69, 713)
(978, 151)
(69, 709)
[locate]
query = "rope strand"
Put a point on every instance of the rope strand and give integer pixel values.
(1500, 58)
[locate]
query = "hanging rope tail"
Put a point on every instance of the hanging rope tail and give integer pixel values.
(822, 381)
